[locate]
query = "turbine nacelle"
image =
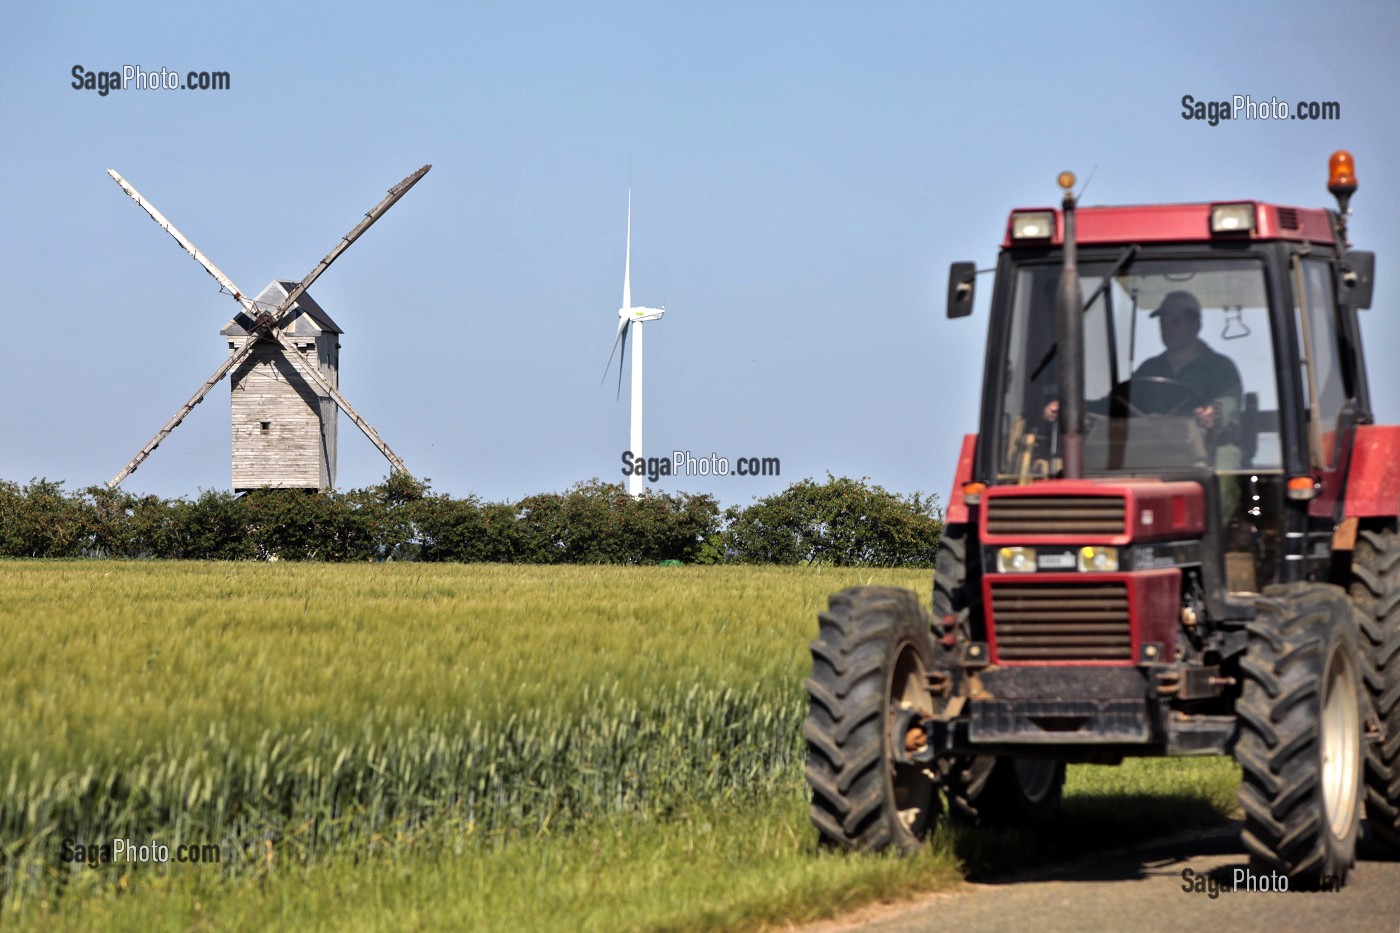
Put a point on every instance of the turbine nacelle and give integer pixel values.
(640, 315)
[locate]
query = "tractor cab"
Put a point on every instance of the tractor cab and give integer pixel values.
(1219, 345)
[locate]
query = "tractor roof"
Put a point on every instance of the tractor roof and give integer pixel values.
(1182, 223)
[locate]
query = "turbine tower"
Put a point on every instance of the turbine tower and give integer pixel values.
(628, 319)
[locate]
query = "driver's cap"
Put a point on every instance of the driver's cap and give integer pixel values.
(1179, 300)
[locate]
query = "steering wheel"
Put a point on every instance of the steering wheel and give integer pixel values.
(1187, 393)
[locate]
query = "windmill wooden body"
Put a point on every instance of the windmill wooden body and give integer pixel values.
(284, 354)
(284, 426)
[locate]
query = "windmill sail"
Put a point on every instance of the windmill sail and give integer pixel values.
(374, 214)
(185, 244)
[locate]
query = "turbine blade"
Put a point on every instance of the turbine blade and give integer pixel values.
(622, 363)
(233, 360)
(185, 244)
(374, 214)
(627, 267)
(621, 328)
(310, 372)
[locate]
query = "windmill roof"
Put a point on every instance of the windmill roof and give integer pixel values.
(307, 317)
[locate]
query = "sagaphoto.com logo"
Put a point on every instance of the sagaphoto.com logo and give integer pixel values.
(134, 77)
(1245, 107)
(684, 463)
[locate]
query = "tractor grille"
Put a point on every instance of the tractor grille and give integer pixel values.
(1062, 622)
(1055, 515)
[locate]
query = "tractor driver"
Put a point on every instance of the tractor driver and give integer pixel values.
(1192, 365)
(1187, 360)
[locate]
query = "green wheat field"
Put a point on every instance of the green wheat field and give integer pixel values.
(401, 746)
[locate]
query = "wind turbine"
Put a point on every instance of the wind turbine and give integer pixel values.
(629, 318)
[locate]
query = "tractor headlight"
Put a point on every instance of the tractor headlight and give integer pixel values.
(1232, 218)
(1016, 560)
(1032, 225)
(1098, 558)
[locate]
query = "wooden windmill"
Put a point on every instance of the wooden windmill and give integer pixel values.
(284, 355)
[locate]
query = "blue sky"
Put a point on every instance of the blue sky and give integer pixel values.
(802, 177)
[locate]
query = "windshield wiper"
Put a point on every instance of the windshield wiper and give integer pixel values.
(1118, 266)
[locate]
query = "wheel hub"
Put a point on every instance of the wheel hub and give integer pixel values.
(1341, 744)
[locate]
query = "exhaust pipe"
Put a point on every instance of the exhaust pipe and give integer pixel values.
(1069, 334)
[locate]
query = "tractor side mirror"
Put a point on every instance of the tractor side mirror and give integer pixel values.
(1357, 273)
(962, 282)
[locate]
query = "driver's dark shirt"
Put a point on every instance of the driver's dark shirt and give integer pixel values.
(1213, 375)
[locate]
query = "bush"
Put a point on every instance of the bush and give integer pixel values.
(599, 523)
(842, 522)
(213, 527)
(464, 530)
(301, 524)
(40, 520)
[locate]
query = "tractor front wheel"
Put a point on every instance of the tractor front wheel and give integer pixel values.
(867, 692)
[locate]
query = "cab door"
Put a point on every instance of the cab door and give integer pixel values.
(1330, 390)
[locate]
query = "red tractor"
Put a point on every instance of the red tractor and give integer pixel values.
(1175, 533)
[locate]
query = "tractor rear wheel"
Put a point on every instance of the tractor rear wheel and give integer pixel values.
(868, 688)
(1300, 716)
(987, 790)
(1375, 588)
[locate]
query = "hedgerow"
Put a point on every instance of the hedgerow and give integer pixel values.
(840, 522)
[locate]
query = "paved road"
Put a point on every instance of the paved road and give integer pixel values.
(1141, 889)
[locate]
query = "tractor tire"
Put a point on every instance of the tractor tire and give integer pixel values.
(1375, 588)
(953, 600)
(987, 790)
(1300, 727)
(869, 664)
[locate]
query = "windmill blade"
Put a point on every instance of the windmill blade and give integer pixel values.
(310, 372)
(374, 214)
(185, 244)
(233, 360)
